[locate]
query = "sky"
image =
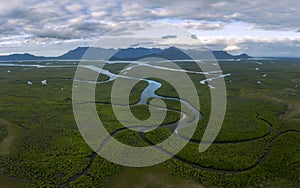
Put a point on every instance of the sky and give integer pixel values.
(52, 27)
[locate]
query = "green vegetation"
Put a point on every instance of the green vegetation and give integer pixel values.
(258, 144)
(11, 132)
(3, 132)
(154, 176)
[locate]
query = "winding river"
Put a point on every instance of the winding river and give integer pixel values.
(149, 92)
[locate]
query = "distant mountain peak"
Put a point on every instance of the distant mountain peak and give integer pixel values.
(134, 53)
(128, 54)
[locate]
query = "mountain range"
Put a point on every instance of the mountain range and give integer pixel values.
(128, 54)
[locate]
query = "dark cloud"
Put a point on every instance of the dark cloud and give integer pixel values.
(87, 26)
(141, 44)
(194, 36)
(55, 34)
(169, 37)
(32, 15)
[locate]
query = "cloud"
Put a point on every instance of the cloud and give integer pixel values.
(25, 22)
(282, 15)
(260, 47)
(231, 48)
(169, 37)
(203, 25)
(58, 34)
(194, 36)
(142, 44)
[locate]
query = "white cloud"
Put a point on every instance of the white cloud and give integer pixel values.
(231, 48)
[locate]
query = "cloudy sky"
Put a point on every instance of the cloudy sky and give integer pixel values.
(52, 27)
